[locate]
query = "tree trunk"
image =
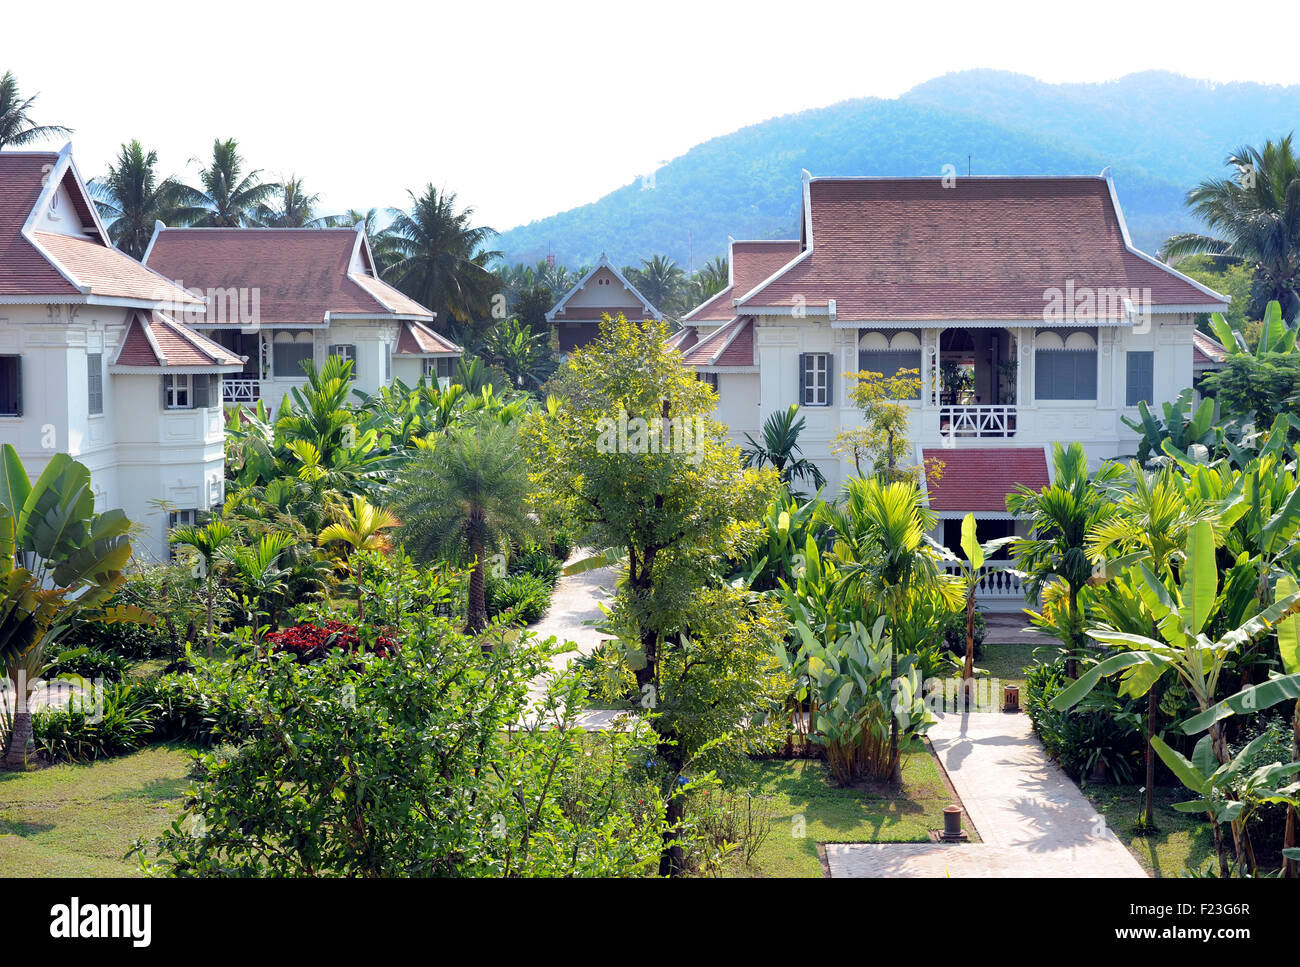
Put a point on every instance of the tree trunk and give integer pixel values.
(476, 619)
(968, 672)
(1149, 815)
(1291, 868)
(895, 773)
(21, 736)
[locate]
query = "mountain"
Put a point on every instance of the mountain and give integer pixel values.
(1159, 132)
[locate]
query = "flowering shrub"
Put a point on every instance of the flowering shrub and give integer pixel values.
(311, 642)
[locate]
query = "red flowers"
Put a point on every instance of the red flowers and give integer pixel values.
(310, 642)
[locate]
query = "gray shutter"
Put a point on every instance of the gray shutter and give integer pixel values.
(803, 378)
(830, 379)
(18, 383)
(163, 383)
(202, 383)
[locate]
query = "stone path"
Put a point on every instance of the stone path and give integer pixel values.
(1031, 819)
(1015, 629)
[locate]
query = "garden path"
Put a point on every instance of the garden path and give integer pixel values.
(1031, 819)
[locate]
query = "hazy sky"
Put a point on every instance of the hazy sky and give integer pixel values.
(508, 103)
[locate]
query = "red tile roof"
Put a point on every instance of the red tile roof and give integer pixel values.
(1207, 353)
(729, 345)
(416, 339)
(684, 338)
(976, 479)
(154, 339)
(751, 263)
(28, 264)
(300, 273)
(985, 248)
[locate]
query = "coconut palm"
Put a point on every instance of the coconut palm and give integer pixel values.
(711, 279)
(661, 281)
(59, 562)
(440, 259)
(780, 447)
(228, 198)
(360, 528)
(462, 497)
(290, 207)
(1060, 517)
(131, 198)
(16, 127)
(1255, 216)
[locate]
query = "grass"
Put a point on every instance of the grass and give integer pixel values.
(80, 820)
(803, 788)
(1183, 840)
(1006, 662)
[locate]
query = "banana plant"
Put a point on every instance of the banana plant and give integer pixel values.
(1191, 435)
(1275, 336)
(976, 554)
(1227, 792)
(59, 563)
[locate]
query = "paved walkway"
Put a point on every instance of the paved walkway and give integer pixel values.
(1015, 629)
(1031, 819)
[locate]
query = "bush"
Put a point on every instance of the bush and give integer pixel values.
(954, 633)
(204, 711)
(1102, 729)
(78, 734)
(309, 642)
(526, 596)
(539, 562)
(562, 545)
(88, 663)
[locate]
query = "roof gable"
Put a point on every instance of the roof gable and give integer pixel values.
(620, 295)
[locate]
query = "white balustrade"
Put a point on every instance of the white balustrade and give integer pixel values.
(977, 421)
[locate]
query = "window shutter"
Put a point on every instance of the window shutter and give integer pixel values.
(164, 382)
(830, 379)
(803, 378)
(202, 383)
(18, 384)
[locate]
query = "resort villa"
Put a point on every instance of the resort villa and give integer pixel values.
(1022, 302)
(602, 291)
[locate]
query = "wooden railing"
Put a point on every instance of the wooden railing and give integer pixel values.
(240, 390)
(977, 421)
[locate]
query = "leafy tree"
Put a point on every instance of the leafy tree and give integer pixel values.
(1257, 389)
(59, 563)
(131, 198)
(882, 440)
(522, 354)
(440, 259)
(16, 127)
(780, 448)
(1256, 215)
(461, 498)
(228, 198)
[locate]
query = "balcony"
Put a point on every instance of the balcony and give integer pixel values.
(978, 421)
(240, 389)
(999, 587)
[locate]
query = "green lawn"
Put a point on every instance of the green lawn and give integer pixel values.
(79, 820)
(1183, 840)
(1006, 662)
(802, 787)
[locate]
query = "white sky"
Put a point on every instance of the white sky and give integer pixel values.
(505, 102)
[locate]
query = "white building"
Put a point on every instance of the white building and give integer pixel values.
(603, 291)
(93, 362)
(1022, 302)
(279, 296)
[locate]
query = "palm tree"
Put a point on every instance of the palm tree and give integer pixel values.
(16, 128)
(229, 198)
(207, 541)
(661, 281)
(59, 563)
(360, 529)
(523, 355)
(291, 207)
(464, 496)
(440, 259)
(131, 198)
(260, 571)
(710, 280)
(1060, 518)
(880, 531)
(1256, 216)
(780, 448)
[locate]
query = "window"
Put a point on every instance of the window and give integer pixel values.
(815, 379)
(888, 362)
(1140, 369)
(710, 378)
(1065, 374)
(178, 391)
(442, 367)
(175, 519)
(289, 350)
(11, 386)
(95, 382)
(388, 363)
(347, 350)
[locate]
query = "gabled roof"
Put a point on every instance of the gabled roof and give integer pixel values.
(683, 339)
(748, 263)
(302, 275)
(562, 311)
(38, 264)
(155, 341)
(417, 339)
(729, 346)
(1207, 353)
(979, 248)
(976, 479)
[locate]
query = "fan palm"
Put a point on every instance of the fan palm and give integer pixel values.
(463, 496)
(229, 198)
(1060, 517)
(440, 259)
(16, 127)
(131, 198)
(59, 562)
(1256, 216)
(780, 447)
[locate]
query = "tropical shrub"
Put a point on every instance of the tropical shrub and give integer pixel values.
(525, 596)
(88, 663)
(309, 642)
(954, 632)
(91, 730)
(1105, 731)
(539, 562)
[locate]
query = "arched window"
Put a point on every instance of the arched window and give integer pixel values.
(1065, 365)
(886, 353)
